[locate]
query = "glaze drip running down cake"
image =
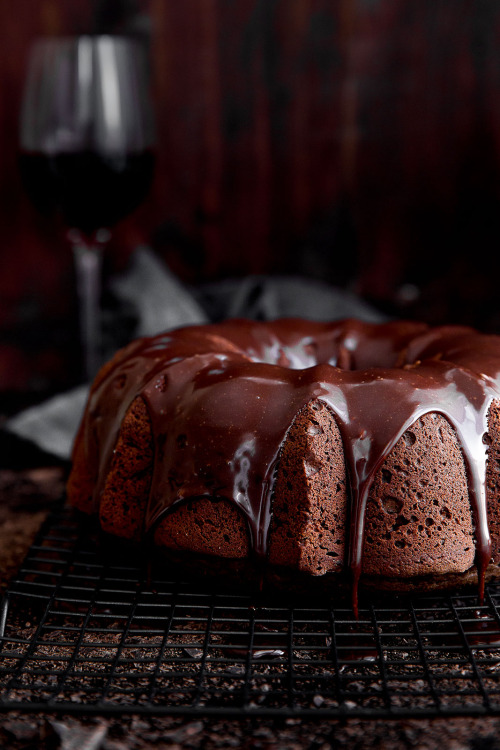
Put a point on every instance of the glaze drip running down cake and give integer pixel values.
(315, 448)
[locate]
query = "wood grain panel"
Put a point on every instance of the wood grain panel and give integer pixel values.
(356, 141)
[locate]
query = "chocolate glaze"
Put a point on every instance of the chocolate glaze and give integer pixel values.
(221, 399)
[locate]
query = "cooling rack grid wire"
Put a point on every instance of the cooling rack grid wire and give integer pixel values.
(80, 634)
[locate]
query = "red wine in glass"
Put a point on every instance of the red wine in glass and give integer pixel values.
(86, 150)
(89, 190)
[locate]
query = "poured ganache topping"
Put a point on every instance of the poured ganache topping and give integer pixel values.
(221, 399)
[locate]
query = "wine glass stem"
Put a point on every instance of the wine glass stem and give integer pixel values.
(88, 265)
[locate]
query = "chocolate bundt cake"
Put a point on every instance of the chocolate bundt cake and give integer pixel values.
(313, 448)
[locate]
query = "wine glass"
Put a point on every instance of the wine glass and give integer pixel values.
(86, 140)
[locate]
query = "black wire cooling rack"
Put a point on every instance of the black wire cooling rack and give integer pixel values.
(80, 634)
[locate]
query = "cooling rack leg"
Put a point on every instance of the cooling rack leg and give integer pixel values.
(4, 608)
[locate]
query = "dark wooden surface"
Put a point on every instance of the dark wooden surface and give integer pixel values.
(353, 140)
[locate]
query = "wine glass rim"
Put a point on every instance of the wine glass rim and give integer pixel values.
(78, 38)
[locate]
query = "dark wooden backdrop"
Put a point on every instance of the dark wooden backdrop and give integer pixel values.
(352, 140)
